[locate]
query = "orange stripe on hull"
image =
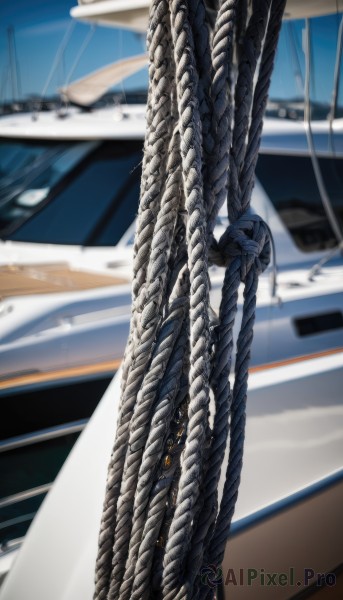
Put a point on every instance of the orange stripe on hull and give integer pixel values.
(112, 365)
(81, 371)
(295, 359)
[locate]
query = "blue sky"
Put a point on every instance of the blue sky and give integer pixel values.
(40, 26)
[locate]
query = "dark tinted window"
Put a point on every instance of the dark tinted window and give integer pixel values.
(323, 39)
(290, 184)
(339, 99)
(286, 96)
(332, 172)
(114, 226)
(96, 204)
(30, 171)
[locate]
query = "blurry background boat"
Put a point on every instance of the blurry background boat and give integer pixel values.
(67, 208)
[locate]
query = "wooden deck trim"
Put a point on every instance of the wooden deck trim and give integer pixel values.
(28, 280)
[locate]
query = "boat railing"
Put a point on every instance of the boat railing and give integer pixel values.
(19, 501)
(21, 496)
(43, 435)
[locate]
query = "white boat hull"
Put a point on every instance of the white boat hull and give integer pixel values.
(293, 440)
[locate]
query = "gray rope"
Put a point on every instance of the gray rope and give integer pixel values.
(158, 109)
(191, 152)
(162, 521)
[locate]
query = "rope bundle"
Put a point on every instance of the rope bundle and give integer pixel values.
(162, 522)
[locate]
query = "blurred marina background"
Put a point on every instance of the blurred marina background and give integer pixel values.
(69, 188)
(42, 48)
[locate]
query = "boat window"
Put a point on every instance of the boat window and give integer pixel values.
(286, 95)
(339, 99)
(95, 205)
(119, 221)
(17, 158)
(323, 39)
(332, 173)
(291, 186)
(29, 171)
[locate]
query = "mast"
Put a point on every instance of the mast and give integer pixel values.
(14, 67)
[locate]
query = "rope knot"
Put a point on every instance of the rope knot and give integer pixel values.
(249, 239)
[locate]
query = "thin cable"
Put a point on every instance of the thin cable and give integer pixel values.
(58, 57)
(314, 159)
(80, 53)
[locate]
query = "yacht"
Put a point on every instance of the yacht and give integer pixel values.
(67, 218)
(64, 321)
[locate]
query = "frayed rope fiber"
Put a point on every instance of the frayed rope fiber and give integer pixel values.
(163, 521)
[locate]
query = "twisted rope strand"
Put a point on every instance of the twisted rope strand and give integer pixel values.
(222, 49)
(190, 130)
(260, 101)
(237, 425)
(159, 89)
(158, 431)
(154, 293)
(243, 99)
(222, 42)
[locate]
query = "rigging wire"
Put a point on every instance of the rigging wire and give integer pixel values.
(325, 198)
(80, 53)
(60, 52)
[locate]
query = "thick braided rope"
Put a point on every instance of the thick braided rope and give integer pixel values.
(161, 520)
(222, 49)
(149, 317)
(250, 277)
(222, 114)
(260, 100)
(243, 98)
(191, 145)
(202, 54)
(158, 117)
(149, 441)
(158, 106)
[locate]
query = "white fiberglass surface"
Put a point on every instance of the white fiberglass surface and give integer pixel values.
(293, 438)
